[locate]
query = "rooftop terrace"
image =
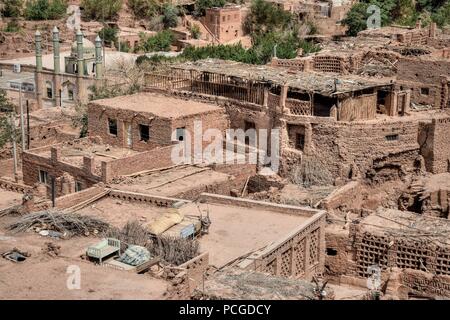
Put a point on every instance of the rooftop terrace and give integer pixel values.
(323, 84)
(157, 104)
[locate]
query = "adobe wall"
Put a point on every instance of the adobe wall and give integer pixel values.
(424, 78)
(224, 23)
(32, 163)
(339, 146)
(159, 128)
(440, 130)
(196, 269)
(73, 199)
(301, 254)
(153, 159)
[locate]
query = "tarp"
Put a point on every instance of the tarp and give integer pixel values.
(134, 255)
(169, 219)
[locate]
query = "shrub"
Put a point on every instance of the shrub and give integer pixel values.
(159, 42)
(195, 32)
(101, 10)
(12, 8)
(45, 9)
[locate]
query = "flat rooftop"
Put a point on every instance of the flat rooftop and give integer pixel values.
(157, 104)
(172, 182)
(319, 83)
(72, 152)
(236, 230)
(409, 225)
(118, 213)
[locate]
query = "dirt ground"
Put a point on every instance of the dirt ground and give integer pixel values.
(9, 198)
(42, 276)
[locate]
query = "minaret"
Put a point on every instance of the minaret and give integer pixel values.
(98, 59)
(80, 62)
(56, 69)
(38, 39)
(38, 74)
(56, 61)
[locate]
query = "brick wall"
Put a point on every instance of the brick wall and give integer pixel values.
(159, 128)
(424, 78)
(33, 162)
(153, 159)
(441, 145)
(339, 146)
(72, 199)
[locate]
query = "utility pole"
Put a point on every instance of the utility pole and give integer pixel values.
(13, 140)
(22, 121)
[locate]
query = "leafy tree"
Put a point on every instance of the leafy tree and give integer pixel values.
(159, 42)
(356, 19)
(45, 9)
(101, 10)
(144, 8)
(169, 16)
(12, 8)
(202, 5)
(266, 17)
(109, 35)
(442, 15)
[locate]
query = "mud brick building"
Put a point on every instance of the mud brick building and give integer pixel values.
(331, 117)
(144, 121)
(395, 241)
(225, 23)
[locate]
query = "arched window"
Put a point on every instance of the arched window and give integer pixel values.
(49, 88)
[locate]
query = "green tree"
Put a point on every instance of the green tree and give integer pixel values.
(12, 8)
(265, 17)
(101, 10)
(45, 9)
(144, 8)
(169, 16)
(442, 15)
(159, 42)
(109, 35)
(356, 19)
(202, 5)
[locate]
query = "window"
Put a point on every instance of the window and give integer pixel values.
(392, 137)
(223, 18)
(331, 252)
(43, 176)
(49, 88)
(70, 93)
(300, 141)
(425, 91)
(112, 126)
(78, 186)
(249, 125)
(144, 132)
(181, 133)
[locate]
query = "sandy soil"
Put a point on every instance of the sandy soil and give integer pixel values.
(9, 198)
(44, 277)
